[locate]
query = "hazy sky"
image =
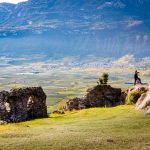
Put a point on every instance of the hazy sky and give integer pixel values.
(12, 1)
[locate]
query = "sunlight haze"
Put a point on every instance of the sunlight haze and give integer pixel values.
(12, 1)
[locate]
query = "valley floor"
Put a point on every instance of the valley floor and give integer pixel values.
(118, 128)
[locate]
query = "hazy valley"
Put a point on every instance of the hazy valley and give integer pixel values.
(63, 78)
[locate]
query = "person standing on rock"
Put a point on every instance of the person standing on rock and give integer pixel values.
(137, 80)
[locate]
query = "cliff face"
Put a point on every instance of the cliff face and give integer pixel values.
(22, 104)
(99, 96)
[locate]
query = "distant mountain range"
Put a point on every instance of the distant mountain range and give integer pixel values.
(107, 28)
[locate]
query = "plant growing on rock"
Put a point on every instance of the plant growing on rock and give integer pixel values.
(133, 97)
(103, 79)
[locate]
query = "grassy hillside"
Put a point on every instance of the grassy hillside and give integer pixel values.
(97, 128)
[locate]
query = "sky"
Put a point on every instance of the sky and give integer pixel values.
(12, 1)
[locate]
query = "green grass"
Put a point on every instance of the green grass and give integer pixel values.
(117, 128)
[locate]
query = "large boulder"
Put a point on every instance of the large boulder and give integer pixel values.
(76, 103)
(103, 96)
(22, 104)
(99, 96)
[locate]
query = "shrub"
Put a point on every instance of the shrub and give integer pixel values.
(133, 97)
(103, 79)
(61, 104)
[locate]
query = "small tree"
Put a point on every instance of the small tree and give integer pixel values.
(103, 79)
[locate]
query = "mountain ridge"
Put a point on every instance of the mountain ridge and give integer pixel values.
(96, 27)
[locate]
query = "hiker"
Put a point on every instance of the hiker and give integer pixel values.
(137, 80)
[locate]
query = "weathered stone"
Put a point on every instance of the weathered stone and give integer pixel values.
(22, 104)
(103, 96)
(76, 103)
(59, 112)
(99, 96)
(123, 97)
(143, 102)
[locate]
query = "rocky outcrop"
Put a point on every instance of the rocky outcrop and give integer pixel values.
(143, 103)
(22, 104)
(76, 103)
(143, 99)
(107, 96)
(138, 88)
(99, 96)
(103, 95)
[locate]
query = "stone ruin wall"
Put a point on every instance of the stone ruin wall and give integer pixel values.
(22, 104)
